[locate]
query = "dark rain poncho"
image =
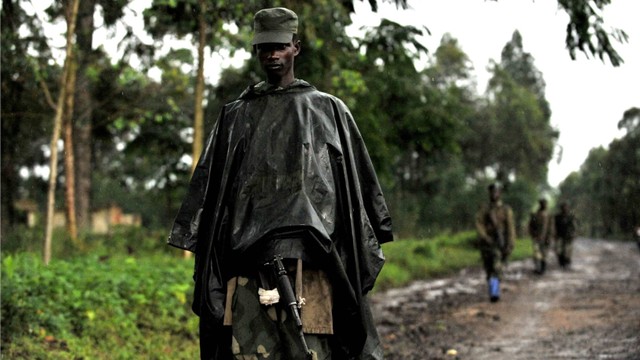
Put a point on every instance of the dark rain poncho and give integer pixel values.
(287, 162)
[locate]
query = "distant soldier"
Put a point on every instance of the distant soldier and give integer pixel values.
(496, 232)
(540, 232)
(565, 227)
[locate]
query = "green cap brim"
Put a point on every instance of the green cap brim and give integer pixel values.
(278, 37)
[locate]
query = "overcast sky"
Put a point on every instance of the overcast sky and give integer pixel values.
(587, 96)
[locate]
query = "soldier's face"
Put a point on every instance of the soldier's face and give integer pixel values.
(277, 59)
(494, 195)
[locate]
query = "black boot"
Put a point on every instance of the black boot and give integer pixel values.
(538, 270)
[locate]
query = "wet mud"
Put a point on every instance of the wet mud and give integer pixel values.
(591, 311)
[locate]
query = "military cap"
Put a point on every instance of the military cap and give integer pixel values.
(274, 25)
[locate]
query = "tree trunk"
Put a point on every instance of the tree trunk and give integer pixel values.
(70, 195)
(9, 187)
(8, 128)
(198, 119)
(84, 158)
(72, 14)
(84, 106)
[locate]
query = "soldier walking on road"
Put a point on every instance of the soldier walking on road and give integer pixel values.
(540, 232)
(496, 232)
(564, 232)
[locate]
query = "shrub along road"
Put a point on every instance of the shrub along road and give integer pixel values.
(591, 311)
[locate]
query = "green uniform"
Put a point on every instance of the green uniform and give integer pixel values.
(565, 231)
(539, 230)
(496, 233)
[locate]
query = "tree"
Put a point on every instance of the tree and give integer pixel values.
(518, 139)
(69, 158)
(585, 30)
(23, 108)
(185, 18)
(630, 121)
(623, 173)
(66, 87)
(519, 65)
(85, 99)
(154, 140)
(82, 123)
(606, 189)
(585, 191)
(424, 115)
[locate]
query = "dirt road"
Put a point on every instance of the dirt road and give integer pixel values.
(589, 312)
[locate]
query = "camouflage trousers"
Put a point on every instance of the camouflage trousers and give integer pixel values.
(268, 332)
(493, 261)
(564, 248)
(540, 250)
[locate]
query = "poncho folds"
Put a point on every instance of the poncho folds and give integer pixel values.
(287, 162)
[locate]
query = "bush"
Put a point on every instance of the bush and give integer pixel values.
(121, 240)
(119, 308)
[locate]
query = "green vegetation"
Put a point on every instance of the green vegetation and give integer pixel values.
(604, 193)
(414, 259)
(125, 307)
(95, 308)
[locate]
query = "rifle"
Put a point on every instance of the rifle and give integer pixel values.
(288, 297)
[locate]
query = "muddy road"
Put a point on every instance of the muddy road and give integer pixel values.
(591, 311)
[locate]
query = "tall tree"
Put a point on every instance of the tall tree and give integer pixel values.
(24, 109)
(69, 159)
(207, 20)
(85, 99)
(198, 117)
(66, 86)
(519, 138)
(624, 159)
(586, 191)
(519, 65)
(83, 114)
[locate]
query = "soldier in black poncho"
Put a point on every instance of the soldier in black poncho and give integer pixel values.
(284, 175)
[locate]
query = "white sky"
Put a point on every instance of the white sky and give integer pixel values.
(587, 96)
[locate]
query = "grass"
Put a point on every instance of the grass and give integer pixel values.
(415, 259)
